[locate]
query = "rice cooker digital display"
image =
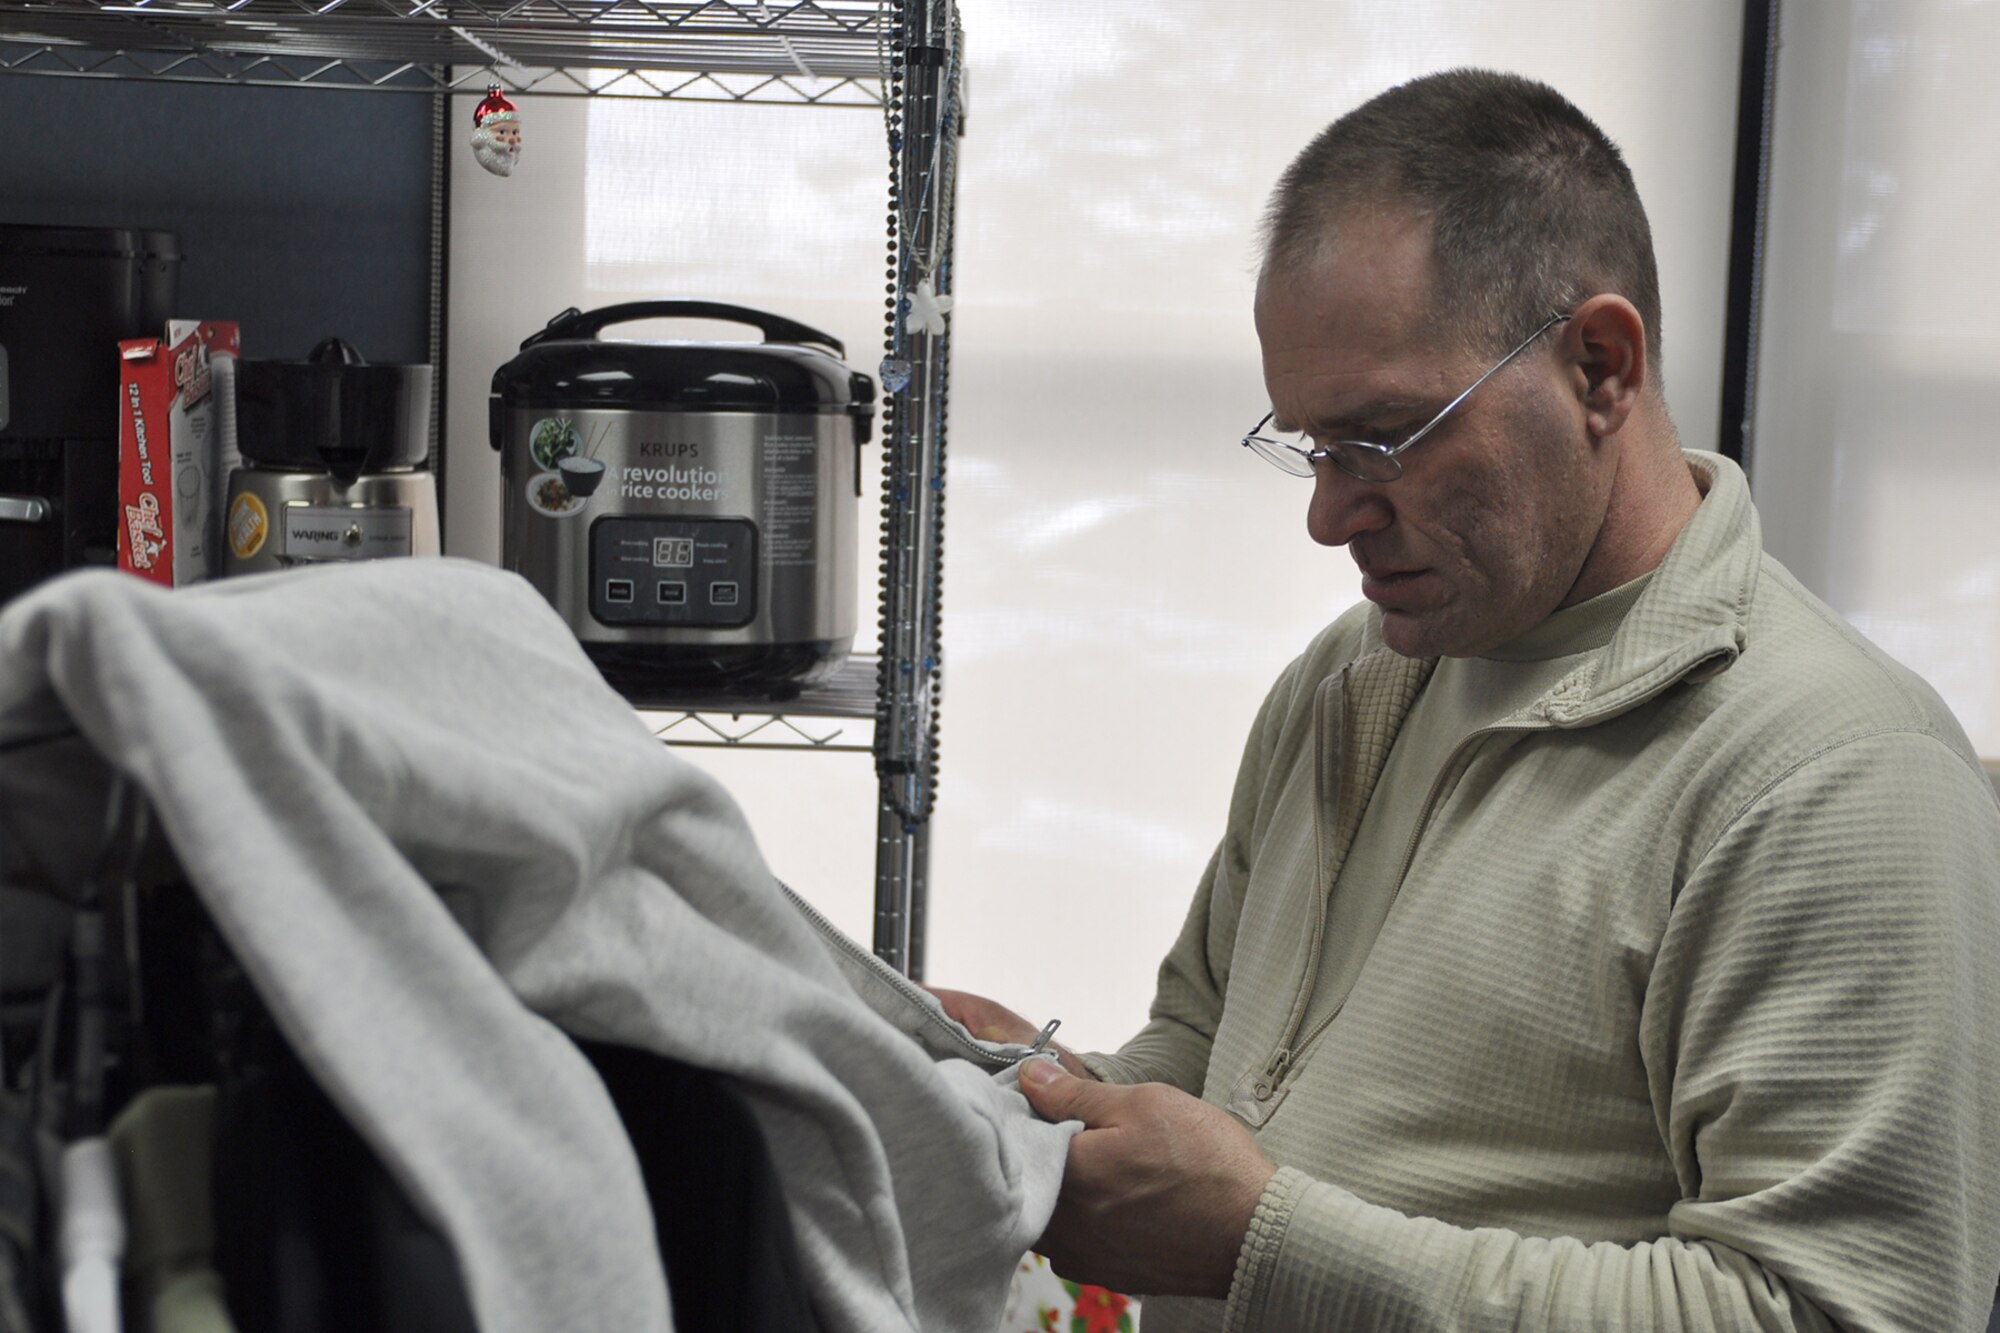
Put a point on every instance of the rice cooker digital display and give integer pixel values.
(687, 572)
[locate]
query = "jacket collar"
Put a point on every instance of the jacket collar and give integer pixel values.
(1690, 623)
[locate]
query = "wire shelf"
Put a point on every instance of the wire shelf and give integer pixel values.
(838, 715)
(809, 53)
(738, 731)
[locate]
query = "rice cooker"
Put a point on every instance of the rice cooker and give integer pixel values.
(689, 508)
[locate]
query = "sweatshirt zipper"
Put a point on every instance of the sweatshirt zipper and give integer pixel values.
(1264, 1086)
(1317, 945)
(1250, 1100)
(902, 985)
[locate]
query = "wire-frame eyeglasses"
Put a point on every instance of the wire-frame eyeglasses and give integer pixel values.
(1364, 459)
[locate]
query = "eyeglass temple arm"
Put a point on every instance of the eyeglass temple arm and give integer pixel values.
(1449, 407)
(1452, 406)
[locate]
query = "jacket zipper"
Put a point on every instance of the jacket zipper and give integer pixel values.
(1265, 1085)
(902, 985)
(1317, 945)
(1250, 1098)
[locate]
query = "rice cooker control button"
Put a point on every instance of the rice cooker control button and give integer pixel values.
(655, 571)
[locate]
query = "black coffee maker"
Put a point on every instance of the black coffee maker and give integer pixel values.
(67, 296)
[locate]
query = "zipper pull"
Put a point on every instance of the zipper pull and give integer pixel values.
(1274, 1074)
(1256, 1095)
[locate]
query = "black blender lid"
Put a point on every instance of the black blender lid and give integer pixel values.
(796, 368)
(333, 412)
(88, 242)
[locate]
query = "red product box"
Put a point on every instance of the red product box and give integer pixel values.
(173, 472)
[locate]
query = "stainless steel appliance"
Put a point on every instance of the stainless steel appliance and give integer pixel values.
(334, 462)
(690, 508)
(67, 296)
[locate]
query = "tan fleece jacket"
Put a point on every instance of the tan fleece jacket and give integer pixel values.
(1685, 1014)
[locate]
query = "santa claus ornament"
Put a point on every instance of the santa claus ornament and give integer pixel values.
(496, 132)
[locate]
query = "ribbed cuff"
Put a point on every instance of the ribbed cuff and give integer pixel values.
(1257, 1261)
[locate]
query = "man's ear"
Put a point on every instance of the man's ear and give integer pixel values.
(1605, 339)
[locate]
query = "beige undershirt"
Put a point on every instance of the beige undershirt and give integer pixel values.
(1464, 695)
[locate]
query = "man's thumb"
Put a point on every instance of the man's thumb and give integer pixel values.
(1054, 1092)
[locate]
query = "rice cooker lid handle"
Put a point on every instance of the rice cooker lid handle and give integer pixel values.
(578, 324)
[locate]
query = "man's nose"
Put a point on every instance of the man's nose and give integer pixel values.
(1344, 507)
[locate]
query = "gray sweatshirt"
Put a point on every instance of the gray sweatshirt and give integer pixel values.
(438, 842)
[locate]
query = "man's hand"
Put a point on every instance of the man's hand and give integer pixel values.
(986, 1019)
(1159, 1190)
(990, 1020)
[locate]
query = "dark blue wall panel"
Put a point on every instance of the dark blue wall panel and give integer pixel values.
(301, 212)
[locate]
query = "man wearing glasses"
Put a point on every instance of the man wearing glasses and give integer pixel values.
(1604, 935)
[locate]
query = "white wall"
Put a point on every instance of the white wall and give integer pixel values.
(1874, 455)
(1122, 581)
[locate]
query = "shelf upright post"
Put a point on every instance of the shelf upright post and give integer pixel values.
(919, 899)
(441, 145)
(913, 503)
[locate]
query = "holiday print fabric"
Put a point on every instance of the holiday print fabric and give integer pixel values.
(1041, 1302)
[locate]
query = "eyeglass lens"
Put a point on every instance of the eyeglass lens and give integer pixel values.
(1281, 453)
(1293, 452)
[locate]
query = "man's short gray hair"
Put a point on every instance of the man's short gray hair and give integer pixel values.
(1533, 206)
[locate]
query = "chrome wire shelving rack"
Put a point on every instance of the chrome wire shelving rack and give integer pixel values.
(904, 58)
(806, 52)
